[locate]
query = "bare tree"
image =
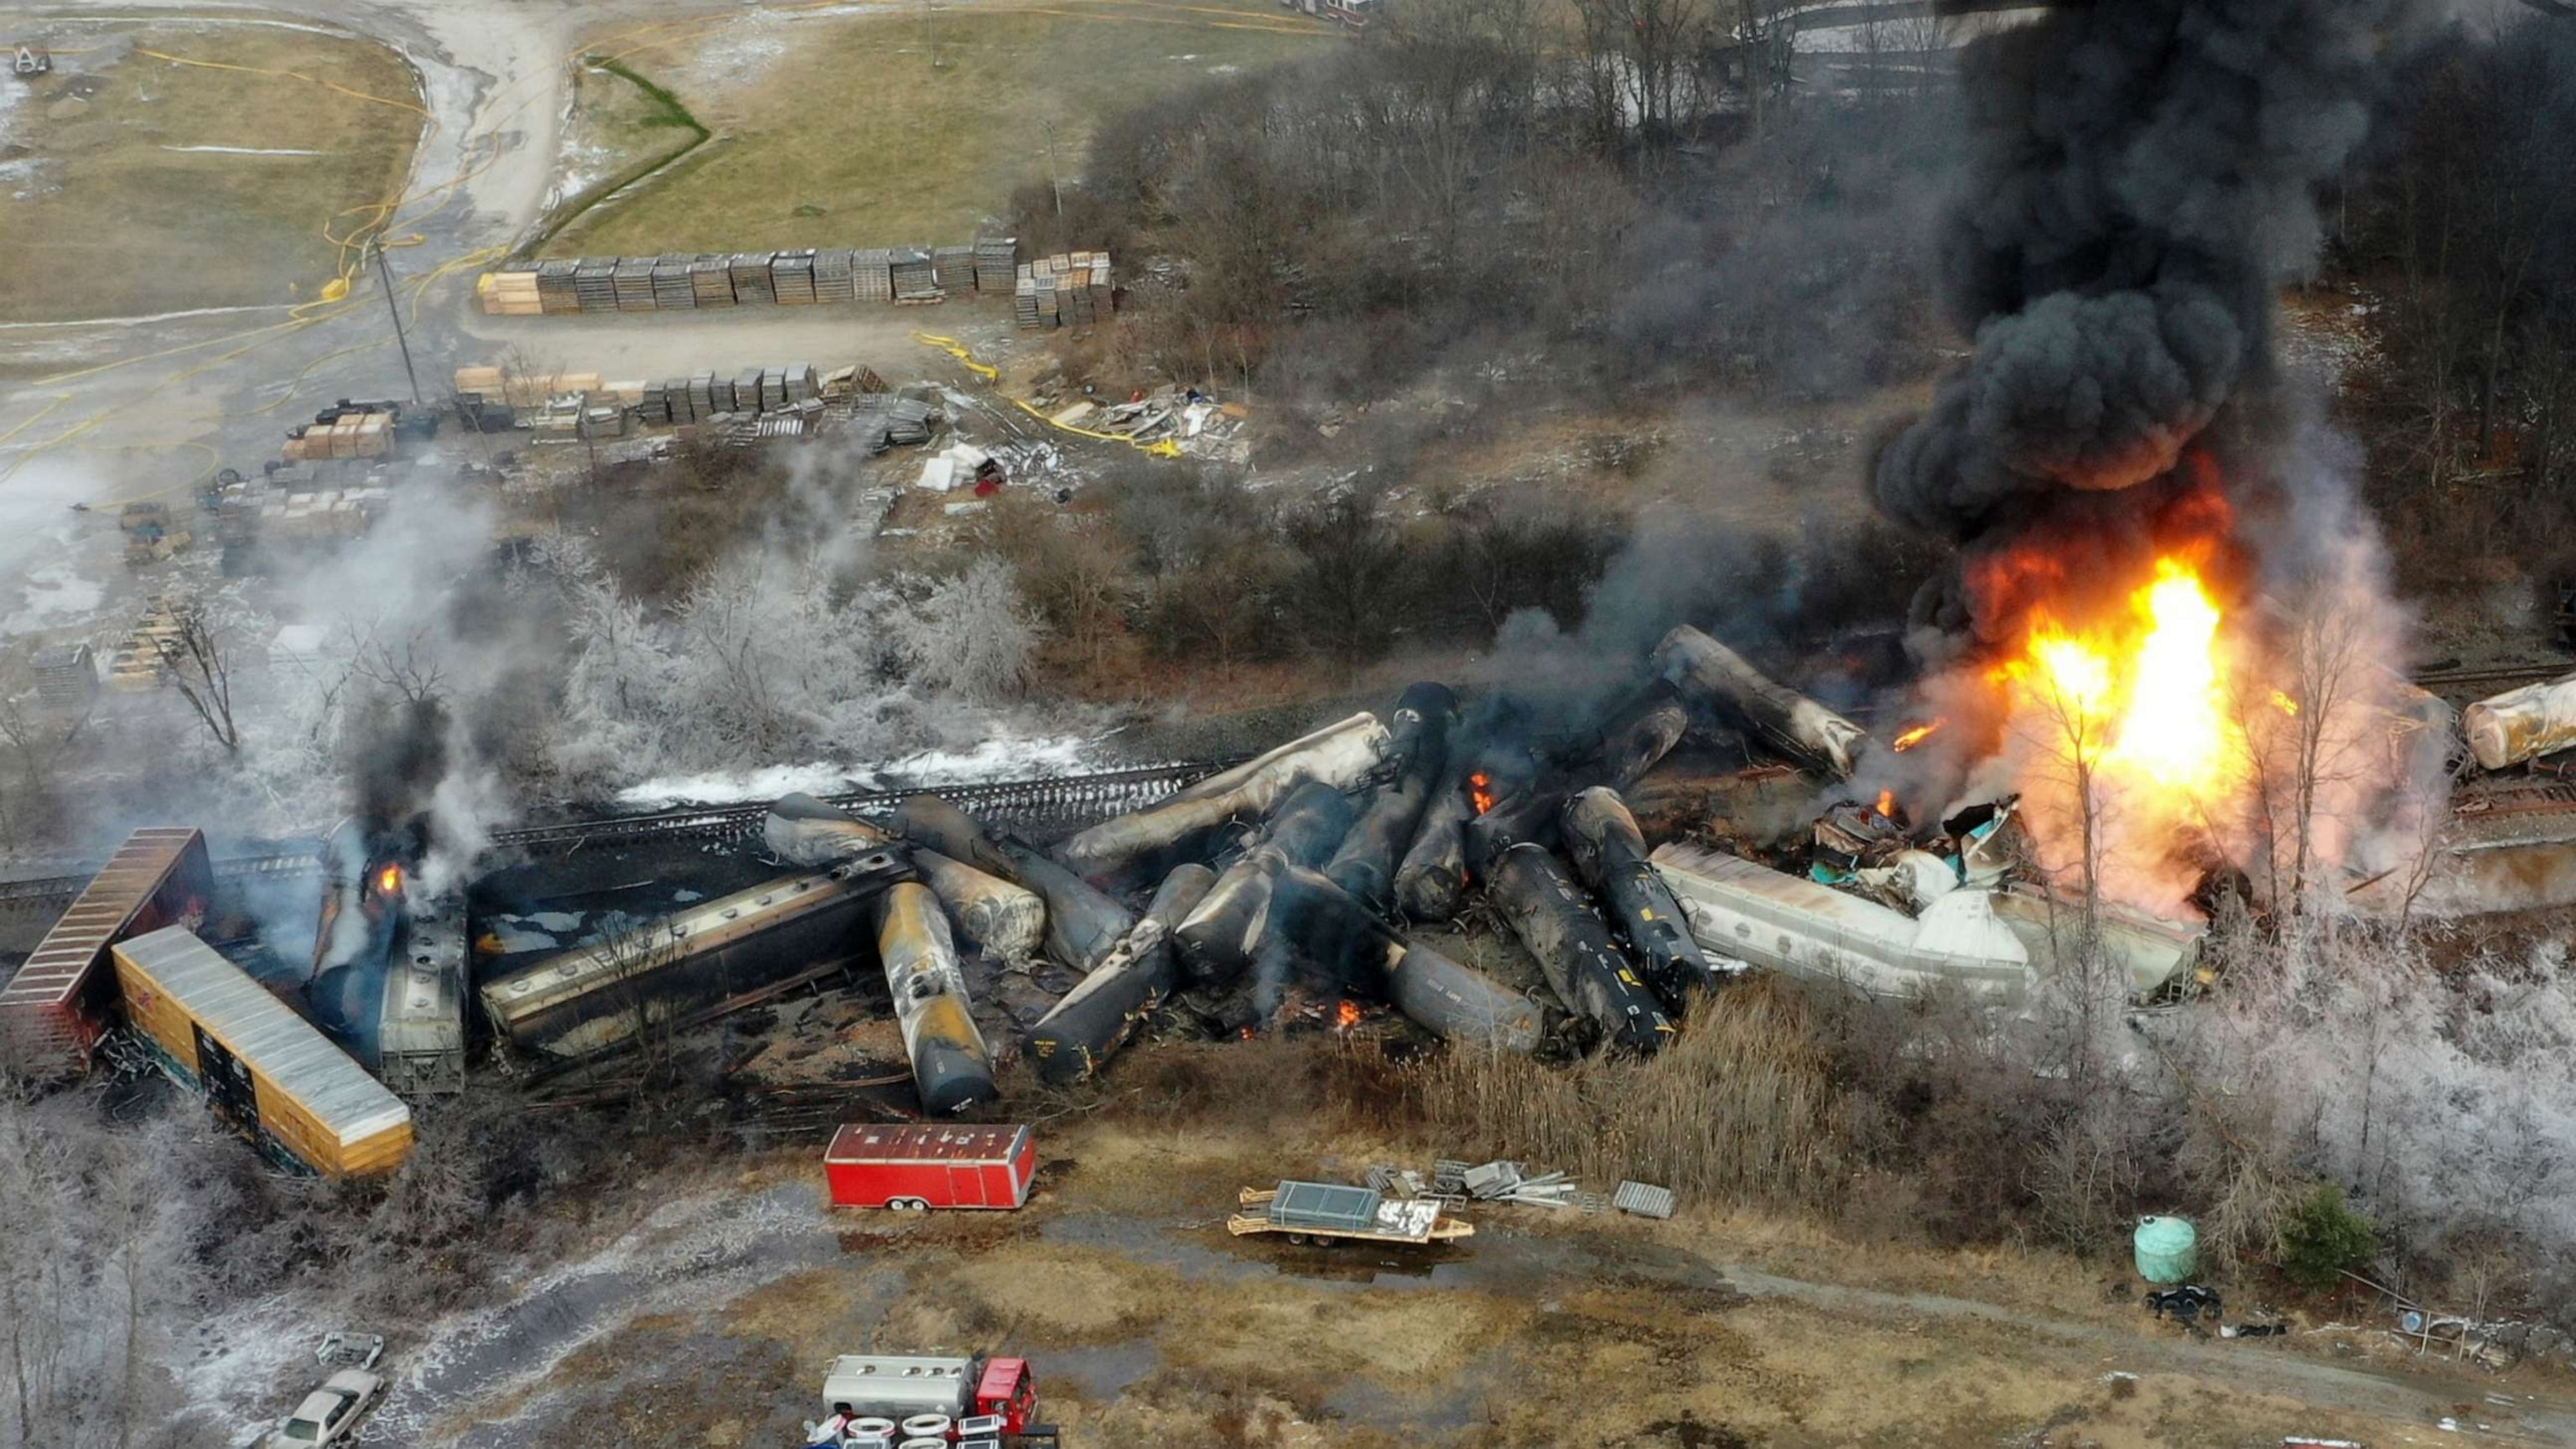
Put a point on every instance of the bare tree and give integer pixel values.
(196, 657)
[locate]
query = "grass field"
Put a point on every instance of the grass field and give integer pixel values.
(135, 184)
(910, 126)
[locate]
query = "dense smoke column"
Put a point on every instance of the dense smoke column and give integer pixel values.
(2142, 176)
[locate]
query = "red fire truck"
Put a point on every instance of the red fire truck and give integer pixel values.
(918, 1166)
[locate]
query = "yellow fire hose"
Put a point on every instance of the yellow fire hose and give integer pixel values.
(1162, 448)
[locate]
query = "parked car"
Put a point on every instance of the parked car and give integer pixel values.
(329, 1414)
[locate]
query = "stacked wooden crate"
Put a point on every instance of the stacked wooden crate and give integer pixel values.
(954, 267)
(672, 290)
(555, 289)
(711, 280)
(511, 293)
(872, 274)
(594, 283)
(996, 264)
(916, 279)
(832, 281)
(634, 280)
(791, 278)
(1025, 300)
(702, 396)
(751, 281)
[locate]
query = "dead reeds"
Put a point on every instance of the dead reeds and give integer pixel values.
(1742, 1106)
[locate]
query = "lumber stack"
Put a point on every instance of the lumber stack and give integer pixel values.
(679, 282)
(954, 269)
(510, 294)
(916, 278)
(594, 282)
(872, 274)
(523, 390)
(555, 287)
(997, 260)
(711, 280)
(634, 282)
(751, 281)
(832, 279)
(791, 278)
(672, 289)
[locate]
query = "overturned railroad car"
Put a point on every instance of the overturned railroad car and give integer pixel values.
(683, 968)
(60, 1003)
(420, 1024)
(265, 1071)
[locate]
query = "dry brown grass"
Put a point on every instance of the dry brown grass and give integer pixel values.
(1741, 1106)
(114, 222)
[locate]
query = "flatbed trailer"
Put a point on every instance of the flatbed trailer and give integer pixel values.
(1326, 1213)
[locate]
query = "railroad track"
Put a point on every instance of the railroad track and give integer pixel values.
(1057, 802)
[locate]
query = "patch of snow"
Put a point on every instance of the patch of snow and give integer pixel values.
(738, 787)
(54, 595)
(1000, 758)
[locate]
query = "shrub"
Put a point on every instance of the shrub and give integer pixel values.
(2323, 1237)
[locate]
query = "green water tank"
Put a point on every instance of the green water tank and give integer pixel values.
(2168, 1250)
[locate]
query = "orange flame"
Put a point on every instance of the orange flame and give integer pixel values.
(1480, 788)
(1918, 734)
(389, 880)
(1887, 804)
(1346, 1015)
(2131, 710)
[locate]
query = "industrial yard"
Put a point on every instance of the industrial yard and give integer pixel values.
(1327, 723)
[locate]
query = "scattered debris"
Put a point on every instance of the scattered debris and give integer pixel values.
(1643, 1200)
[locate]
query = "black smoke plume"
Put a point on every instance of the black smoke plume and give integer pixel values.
(2142, 176)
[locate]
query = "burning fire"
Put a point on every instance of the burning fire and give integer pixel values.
(1887, 804)
(2130, 716)
(1346, 1015)
(1480, 789)
(1917, 735)
(389, 880)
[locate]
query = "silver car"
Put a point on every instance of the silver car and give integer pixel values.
(330, 1413)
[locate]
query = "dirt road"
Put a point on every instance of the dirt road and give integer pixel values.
(711, 1302)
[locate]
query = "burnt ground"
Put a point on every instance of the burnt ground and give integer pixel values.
(715, 1295)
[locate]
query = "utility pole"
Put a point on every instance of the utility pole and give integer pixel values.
(393, 308)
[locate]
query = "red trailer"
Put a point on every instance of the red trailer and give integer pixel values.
(921, 1166)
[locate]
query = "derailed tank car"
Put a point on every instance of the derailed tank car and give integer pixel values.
(672, 971)
(265, 1071)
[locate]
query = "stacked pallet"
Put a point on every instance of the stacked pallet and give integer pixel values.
(555, 287)
(354, 435)
(1025, 302)
(791, 278)
(634, 280)
(916, 279)
(510, 294)
(594, 284)
(996, 263)
(872, 274)
(747, 390)
(751, 281)
(672, 282)
(711, 280)
(802, 383)
(832, 281)
(672, 289)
